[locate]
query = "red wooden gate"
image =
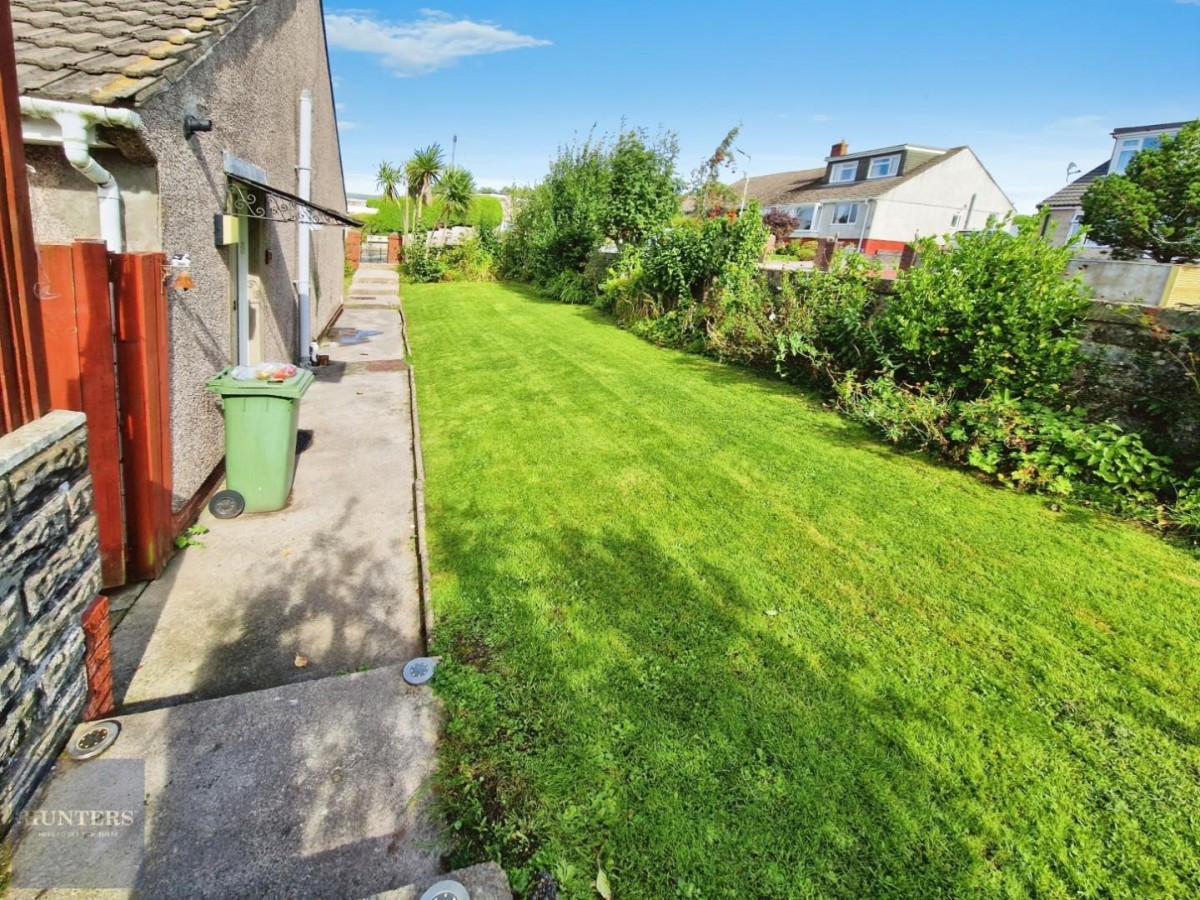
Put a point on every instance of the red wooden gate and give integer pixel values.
(103, 321)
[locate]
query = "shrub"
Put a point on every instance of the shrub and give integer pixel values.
(621, 190)
(468, 261)
(826, 325)
(990, 312)
(1024, 444)
(806, 251)
(421, 263)
(781, 224)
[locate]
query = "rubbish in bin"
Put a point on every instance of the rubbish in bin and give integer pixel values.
(266, 371)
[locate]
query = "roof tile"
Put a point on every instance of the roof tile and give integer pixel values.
(1070, 195)
(106, 51)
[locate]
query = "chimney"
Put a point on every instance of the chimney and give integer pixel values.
(841, 148)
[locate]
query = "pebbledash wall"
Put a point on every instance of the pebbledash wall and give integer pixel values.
(249, 84)
(49, 574)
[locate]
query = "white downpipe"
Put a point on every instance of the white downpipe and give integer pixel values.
(78, 122)
(303, 242)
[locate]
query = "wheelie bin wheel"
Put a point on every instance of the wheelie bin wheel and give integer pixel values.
(227, 504)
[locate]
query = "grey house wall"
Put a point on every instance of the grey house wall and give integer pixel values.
(49, 572)
(250, 86)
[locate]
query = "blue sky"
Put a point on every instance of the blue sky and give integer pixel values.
(1030, 85)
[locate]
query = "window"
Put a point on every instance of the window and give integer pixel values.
(845, 214)
(1076, 226)
(807, 214)
(1130, 146)
(844, 171)
(883, 166)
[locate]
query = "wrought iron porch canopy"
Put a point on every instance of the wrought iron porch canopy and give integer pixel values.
(255, 200)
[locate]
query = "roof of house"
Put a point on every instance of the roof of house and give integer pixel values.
(805, 186)
(1137, 129)
(1070, 195)
(110, 52)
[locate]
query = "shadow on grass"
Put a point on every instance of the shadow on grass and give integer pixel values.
(617, 699)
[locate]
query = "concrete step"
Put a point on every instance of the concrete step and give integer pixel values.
(318, 789)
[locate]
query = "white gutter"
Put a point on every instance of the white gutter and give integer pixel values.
(303, 242)
(78, 123)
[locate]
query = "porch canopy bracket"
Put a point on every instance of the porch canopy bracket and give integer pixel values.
(255, 200)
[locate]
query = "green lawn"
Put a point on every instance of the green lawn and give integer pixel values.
(712, 634)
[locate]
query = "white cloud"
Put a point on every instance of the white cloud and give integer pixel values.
(343, 125)
(433, 41)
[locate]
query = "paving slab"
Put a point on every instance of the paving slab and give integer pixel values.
(311, 790)
(485, 881)
(327, 585)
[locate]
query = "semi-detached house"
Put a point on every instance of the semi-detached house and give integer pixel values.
(880, 200)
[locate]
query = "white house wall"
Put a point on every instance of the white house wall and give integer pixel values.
(925, 205)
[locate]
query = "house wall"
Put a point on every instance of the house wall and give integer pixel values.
(250, 86)
(925, 205)
(1059, 227)
(65, 207)
(49, 573)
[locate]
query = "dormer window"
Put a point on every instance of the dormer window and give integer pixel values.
(884, 166)
(843, 172)
(1130, 146)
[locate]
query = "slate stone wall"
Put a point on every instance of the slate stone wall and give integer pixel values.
(1133, 373)
(49, 573)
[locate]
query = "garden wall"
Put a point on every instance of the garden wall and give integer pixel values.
(49, 573)
(1133, 374)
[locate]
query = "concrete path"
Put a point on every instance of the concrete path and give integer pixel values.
(259, 679)
(331, 579)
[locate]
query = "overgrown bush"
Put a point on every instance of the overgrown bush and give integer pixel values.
(596, 190)
(826, 321)
(467, 261)
(990, 312)
(695, 285)
(1027, 446)
(470, 260)
(420, 262)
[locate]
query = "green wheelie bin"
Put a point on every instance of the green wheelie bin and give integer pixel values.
(260, 441)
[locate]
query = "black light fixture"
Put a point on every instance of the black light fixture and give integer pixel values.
(193, 124)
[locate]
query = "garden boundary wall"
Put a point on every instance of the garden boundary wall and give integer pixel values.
(49, 577)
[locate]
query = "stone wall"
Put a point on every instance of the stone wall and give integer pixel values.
(1133, 374)
(49, 573)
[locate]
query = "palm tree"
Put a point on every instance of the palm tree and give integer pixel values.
(388, 179)
(456, 191)
(424, 171)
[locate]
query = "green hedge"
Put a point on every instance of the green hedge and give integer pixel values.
(486, 212)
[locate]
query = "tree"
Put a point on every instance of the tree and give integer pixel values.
(781, 223)
(1154, 208)
(388, 179)
(643, 191)
(456, 192)
(424, 171)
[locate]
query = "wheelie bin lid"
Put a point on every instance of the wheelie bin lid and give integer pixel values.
(291, 388)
